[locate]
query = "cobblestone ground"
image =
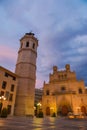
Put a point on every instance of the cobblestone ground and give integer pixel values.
(26, 123)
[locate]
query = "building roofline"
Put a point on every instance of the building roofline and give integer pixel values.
(12, 73)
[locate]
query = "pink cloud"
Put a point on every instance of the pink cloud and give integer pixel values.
(7, 53)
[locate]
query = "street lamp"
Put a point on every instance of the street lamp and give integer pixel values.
(2, 98)
(39, 104)
(39, 110)
(38, 107)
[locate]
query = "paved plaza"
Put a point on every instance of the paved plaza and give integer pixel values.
(26, 123)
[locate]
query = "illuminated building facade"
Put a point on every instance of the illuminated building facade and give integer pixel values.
(8, 86)
(64, 93)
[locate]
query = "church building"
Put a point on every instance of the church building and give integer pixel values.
(64, 93)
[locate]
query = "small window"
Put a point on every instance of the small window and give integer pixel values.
(4, 84)
(12, 87)
(59, 76)
(6, 74)
(11, 97)
(47, 92)
(80, 91)
(2, 93)
(65, 76)
(63, 89)
(27, 44)
(33, 45)
(9, 109)
(7, 95)
(14, 78)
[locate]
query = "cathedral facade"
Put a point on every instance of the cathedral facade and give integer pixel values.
(64, 93)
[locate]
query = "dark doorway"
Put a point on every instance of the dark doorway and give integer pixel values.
(1, 107)
(9, 109)
(83, 110)
(64, 110)
(48, 111)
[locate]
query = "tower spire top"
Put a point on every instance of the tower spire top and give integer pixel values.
(30, 33)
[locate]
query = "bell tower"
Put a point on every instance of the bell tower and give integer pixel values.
(26, 71)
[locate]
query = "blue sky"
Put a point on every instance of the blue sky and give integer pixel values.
(59, 25)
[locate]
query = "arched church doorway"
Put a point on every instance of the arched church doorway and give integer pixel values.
(64, 110)
(48, 111)
(83, 110)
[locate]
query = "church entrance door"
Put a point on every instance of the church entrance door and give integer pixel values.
(48, 111)
(83, 109)
(64, 110)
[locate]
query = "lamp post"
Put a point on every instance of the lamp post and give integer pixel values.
(39, 110)
(38, 107)
(2, 98)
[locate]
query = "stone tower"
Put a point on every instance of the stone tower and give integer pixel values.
(26, 71)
